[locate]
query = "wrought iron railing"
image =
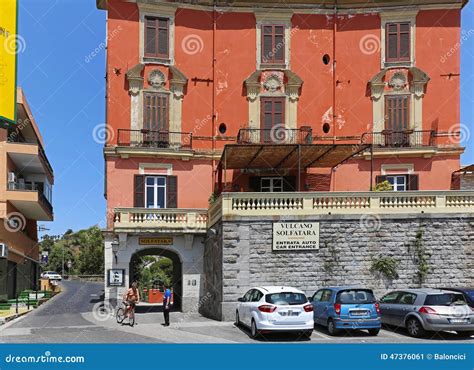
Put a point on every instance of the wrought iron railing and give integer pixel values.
(154, 139)
(400, 139)
(277, 135)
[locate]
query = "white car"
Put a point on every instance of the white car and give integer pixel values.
(275, 309)
(51, 275)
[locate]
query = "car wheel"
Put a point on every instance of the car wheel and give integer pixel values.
(237, 318)
(465, 334)
(253, 329)
(374, 332)
(414, 328)
(308, 334)
(332, 328)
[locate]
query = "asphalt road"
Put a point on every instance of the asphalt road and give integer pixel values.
(74, 317)
(61, 320)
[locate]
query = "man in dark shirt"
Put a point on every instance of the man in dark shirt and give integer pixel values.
(167, 305)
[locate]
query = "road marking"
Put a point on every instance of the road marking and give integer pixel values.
(322, 335)
(392, 334)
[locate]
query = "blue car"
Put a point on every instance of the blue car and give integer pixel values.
(346, 308)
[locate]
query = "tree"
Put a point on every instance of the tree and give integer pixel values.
(383, 186)
(83, 248)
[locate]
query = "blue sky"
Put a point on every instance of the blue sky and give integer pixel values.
(66, 93)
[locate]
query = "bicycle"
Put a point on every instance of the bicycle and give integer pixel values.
(126, 311)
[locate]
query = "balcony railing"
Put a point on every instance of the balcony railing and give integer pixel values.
(154, 139)
(161, 220)
(276, 135)
(31, 188)
(16, 185)
(359, 203)
(400, 139)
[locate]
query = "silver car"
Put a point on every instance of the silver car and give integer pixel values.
(422, 310)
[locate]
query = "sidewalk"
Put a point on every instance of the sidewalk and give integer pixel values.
(9, 315)
(150, 325)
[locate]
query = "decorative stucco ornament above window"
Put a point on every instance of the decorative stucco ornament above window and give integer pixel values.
(157, 79)
(286, 82)
(135, 79)
(414, 78)
(398, 81)
(272, 83)
(177, 82)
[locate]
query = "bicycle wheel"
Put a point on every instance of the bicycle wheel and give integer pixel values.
(120, 315)
(131, 319)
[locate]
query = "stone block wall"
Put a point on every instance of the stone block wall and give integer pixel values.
(348, 247)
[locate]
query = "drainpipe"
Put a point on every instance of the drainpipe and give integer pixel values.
(214, 14)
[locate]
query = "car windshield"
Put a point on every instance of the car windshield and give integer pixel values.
(446, 299)
(354, 296)
(470, 293)
(286, 298)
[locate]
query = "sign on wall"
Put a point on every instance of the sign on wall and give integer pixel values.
(288, 236)
(155, 241)
(9, 48)
(116, 277)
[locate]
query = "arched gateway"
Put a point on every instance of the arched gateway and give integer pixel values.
(185, 251)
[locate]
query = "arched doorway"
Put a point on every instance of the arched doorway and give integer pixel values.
(177, 285)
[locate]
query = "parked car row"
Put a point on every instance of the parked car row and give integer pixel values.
(282, 309)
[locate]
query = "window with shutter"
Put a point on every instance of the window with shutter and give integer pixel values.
(139, 191)
(155, 112)
(172, 192)
(413, 182)
(397, 36)
(156, 37)
(397, 120)
(272, 114)
(273, 44)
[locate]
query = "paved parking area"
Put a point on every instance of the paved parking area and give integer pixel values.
(73, 317)
(193, 328)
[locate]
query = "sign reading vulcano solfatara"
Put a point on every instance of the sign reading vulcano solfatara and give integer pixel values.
(289, 236)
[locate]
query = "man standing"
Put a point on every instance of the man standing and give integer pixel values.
(167, 305)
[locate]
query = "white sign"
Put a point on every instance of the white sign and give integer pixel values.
(288, 236)
(116, 277)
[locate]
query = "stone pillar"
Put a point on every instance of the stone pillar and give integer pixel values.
(113, 294)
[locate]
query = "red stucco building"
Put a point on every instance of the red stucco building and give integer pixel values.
(183, 80)
(318, 100)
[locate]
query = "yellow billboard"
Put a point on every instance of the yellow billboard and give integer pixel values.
(8, 60)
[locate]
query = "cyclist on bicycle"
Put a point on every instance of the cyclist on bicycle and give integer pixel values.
(131, 297)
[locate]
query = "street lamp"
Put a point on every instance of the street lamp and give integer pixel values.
(115, 248)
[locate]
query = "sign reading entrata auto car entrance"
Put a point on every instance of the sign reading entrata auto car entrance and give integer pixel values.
(288, 236)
